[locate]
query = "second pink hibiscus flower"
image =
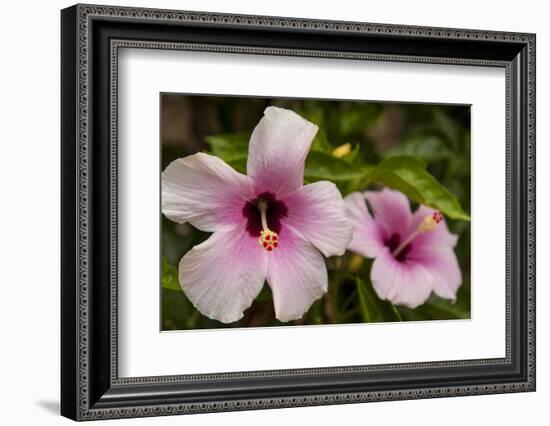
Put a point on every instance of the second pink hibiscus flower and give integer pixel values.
(414, 253)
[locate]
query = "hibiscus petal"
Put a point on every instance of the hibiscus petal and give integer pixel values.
(317, 211)
(223, 275)
(278, 149)
(438, 237)
(391, 209)
(368, 234)
(443, 265)
(297, 275)
(402, 283)
(203, 190)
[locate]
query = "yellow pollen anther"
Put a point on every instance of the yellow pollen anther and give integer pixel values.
(269, 240)
(428, 224)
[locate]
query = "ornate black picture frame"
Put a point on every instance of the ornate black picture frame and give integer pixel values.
(91, 36)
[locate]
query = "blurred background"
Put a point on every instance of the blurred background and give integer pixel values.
(353, 137)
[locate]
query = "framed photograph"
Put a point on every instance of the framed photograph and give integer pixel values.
(263, 212)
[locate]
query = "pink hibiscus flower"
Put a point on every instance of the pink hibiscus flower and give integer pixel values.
(266, 225)
(413, 252)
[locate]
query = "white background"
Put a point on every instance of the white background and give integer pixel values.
(140, 343)
(29, 225)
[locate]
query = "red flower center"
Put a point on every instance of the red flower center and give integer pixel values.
(393, 242)
(276, 210)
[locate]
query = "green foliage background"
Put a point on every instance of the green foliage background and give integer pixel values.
(421, 150)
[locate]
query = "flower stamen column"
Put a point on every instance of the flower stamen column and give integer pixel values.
(429, 223)
(269, 239)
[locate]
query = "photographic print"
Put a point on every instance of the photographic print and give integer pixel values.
(280, 211)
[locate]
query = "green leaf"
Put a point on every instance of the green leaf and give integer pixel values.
(322, 166)
(265, 294)
(355, 121)
(409, 175)
(239, 164)
(353, 156)
(177, 311)
(351, 121)
(320, 143)
(169, 276)
(229, 146)
(429, 147)
(446, 310)
(435, 309)
(448, 126)
(372, 308)
(315, 313)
